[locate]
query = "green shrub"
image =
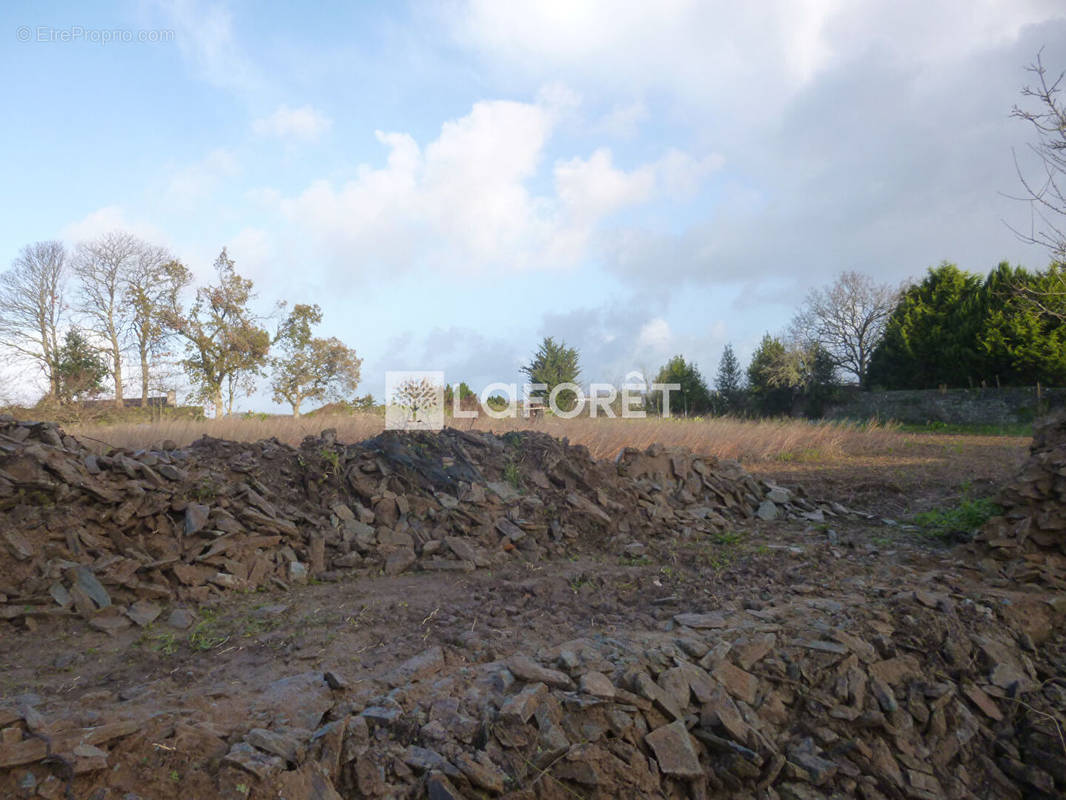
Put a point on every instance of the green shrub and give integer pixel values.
(958, 523)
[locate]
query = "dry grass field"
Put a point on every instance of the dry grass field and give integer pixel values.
(877, 466)
(725, 437)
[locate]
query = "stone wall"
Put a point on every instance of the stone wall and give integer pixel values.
(957, 406)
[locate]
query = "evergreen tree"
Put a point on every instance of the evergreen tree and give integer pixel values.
(771, 376)
(80, 369)
(780, 375)
(1021, 342)
(554, 363)
(729, 382)
(468, 400)
(692, 398)
(955, 329)
(931, 337)
(820, 373)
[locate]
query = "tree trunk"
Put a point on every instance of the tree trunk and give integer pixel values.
(295, 408)
(116, 357)
(49, 358)
(219, 410)
(144, 378)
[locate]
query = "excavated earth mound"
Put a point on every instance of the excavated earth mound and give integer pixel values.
(937, 679)
(113, 536)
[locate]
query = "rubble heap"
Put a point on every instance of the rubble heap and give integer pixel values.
(114, 537)
(913, 695)
(817, 700)
(1033, 523)
(879, 681)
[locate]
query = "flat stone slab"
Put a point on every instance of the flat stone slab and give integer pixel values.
(674, 751)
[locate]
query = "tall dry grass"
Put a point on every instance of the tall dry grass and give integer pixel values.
(746, 440)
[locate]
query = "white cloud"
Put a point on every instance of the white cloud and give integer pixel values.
(592, 188)
(654, 335)
(206, 39)
(107, 219)
(623, 121)
(464, 201)
(253, 250)
(681, 174)
(194, 181)
(692, 48)
(725, 52)
(304, 123)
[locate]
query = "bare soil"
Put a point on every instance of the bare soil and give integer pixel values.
(255, 659)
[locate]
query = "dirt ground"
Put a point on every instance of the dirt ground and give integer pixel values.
(920, 472)
(193, 691)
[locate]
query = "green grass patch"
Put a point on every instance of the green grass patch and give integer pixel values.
(165, 643)
(957, 523)
(953, 428)
(809, 455)
(726, 537)
(206, 634)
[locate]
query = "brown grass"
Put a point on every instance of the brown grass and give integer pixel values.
(875, 467)
(747, 440)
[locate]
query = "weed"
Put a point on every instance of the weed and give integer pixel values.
(512, 474)
(634, 561)
(205, 490)
(164, 643)
(577, 584)
(718, 561)
(255, 625)
(957, 523)
(205, 635)
(331, 457)
(727, 537)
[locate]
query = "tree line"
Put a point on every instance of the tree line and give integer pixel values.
(110, 313)
(951, 329)
(82, 317)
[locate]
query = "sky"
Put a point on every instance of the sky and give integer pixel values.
(452, 181)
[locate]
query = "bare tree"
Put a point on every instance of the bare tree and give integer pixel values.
(102, 266)
(1046, 190)
(150, 287)
(32, 306)
(847, 319)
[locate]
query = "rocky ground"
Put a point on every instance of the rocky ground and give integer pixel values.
(463, 615)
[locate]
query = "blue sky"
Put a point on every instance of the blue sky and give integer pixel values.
(451, 181)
